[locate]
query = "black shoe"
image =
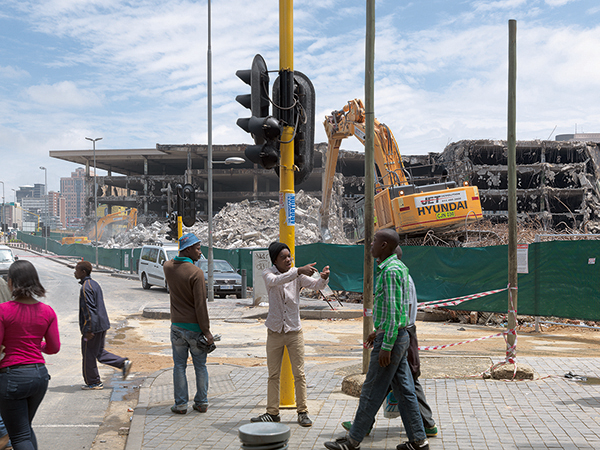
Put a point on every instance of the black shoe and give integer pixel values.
(416, 445)
(201, 408)
(179, 409)
(304, 420)
(342, 444)
(266, 417)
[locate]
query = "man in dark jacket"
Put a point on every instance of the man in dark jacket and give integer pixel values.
(190, 324)
(93, 323)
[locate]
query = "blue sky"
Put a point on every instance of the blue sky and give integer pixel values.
(134, 73)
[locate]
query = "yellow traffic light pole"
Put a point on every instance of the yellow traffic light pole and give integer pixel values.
(179, 226)
(287, 196)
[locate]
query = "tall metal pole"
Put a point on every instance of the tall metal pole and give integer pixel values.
(95, 199)
(46, 227)
(511, 142)
(211, 279)
(369, 179)
(287, 196)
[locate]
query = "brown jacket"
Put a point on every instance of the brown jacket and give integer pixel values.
(187, 293)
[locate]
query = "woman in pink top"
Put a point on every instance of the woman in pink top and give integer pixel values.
(27, 328)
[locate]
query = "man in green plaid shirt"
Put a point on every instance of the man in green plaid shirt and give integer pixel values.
(390, 309)
(388, 364)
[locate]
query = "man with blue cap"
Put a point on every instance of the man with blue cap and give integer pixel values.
(190, 324)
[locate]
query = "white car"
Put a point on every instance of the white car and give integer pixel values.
(150, 267)
(6, 259)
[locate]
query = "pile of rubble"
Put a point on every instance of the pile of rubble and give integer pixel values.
(244, 224)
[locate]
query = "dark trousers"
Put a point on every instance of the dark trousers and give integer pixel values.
(22, 389)
(415, 367)
(93, 350)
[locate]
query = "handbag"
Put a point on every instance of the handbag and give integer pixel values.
(391, 410)
(203, 344)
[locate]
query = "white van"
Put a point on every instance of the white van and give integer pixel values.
(150, 267)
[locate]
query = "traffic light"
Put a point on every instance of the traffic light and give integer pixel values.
(168, 207)
(188, 213)
(265, 129)
(172, 234)
(178, 199)
(303, 123)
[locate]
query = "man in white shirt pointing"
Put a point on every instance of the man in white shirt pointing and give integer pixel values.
(284, 329)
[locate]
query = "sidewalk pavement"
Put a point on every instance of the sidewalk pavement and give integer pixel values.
(550, 412)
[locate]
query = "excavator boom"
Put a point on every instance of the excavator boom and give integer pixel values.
(410, 209)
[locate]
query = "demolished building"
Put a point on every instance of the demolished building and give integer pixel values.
(558, 182)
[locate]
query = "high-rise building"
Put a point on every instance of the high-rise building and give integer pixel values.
(72, 190)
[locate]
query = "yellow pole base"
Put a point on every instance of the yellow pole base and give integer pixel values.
(287, 399)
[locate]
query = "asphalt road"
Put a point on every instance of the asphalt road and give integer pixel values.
(69, 417)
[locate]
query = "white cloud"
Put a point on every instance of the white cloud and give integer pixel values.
(555, 3)
(11, 72)
(65, 94)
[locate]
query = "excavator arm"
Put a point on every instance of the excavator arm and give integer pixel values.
(350, 121)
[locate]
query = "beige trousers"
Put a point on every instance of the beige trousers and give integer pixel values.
(294, 341)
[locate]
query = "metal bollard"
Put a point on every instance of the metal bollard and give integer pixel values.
(273, 436)
(244, 283)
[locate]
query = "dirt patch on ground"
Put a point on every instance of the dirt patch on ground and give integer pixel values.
(145, 355)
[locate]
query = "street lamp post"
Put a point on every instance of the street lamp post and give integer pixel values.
(232, 160)
(95, 199)
(13, 210)
(46, 227)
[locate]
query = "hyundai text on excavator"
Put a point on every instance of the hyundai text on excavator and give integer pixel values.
(411, 210)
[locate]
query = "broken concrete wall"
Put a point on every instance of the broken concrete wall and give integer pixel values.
(557, 181)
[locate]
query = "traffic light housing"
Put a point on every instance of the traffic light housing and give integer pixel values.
(188, 212)
(169, 206)
(172, 234)
(265, 129)
(303, 123)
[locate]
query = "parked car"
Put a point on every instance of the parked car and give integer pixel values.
(6, 259)
(226, 279)
(150, 267)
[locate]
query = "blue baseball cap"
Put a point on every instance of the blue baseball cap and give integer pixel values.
(187, 240)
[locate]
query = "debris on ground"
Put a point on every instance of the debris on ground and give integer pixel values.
(249, 223)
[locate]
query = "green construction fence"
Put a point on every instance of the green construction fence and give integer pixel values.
(117, 258)
(563, 278)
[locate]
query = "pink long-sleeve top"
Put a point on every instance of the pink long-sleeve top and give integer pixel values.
(27, 330)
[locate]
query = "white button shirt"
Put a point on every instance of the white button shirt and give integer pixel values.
(284, 297)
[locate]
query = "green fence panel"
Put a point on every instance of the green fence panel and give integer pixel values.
(562, 282)
(346, 263)
(120, 259)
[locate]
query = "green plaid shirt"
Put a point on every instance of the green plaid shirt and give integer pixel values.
(390, 305)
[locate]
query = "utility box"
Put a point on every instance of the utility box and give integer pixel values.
(260, 261)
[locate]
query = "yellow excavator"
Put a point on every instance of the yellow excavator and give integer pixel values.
(129, 216)
(411, 210)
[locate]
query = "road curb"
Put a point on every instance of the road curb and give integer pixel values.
(136, 430)
(164, 313)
